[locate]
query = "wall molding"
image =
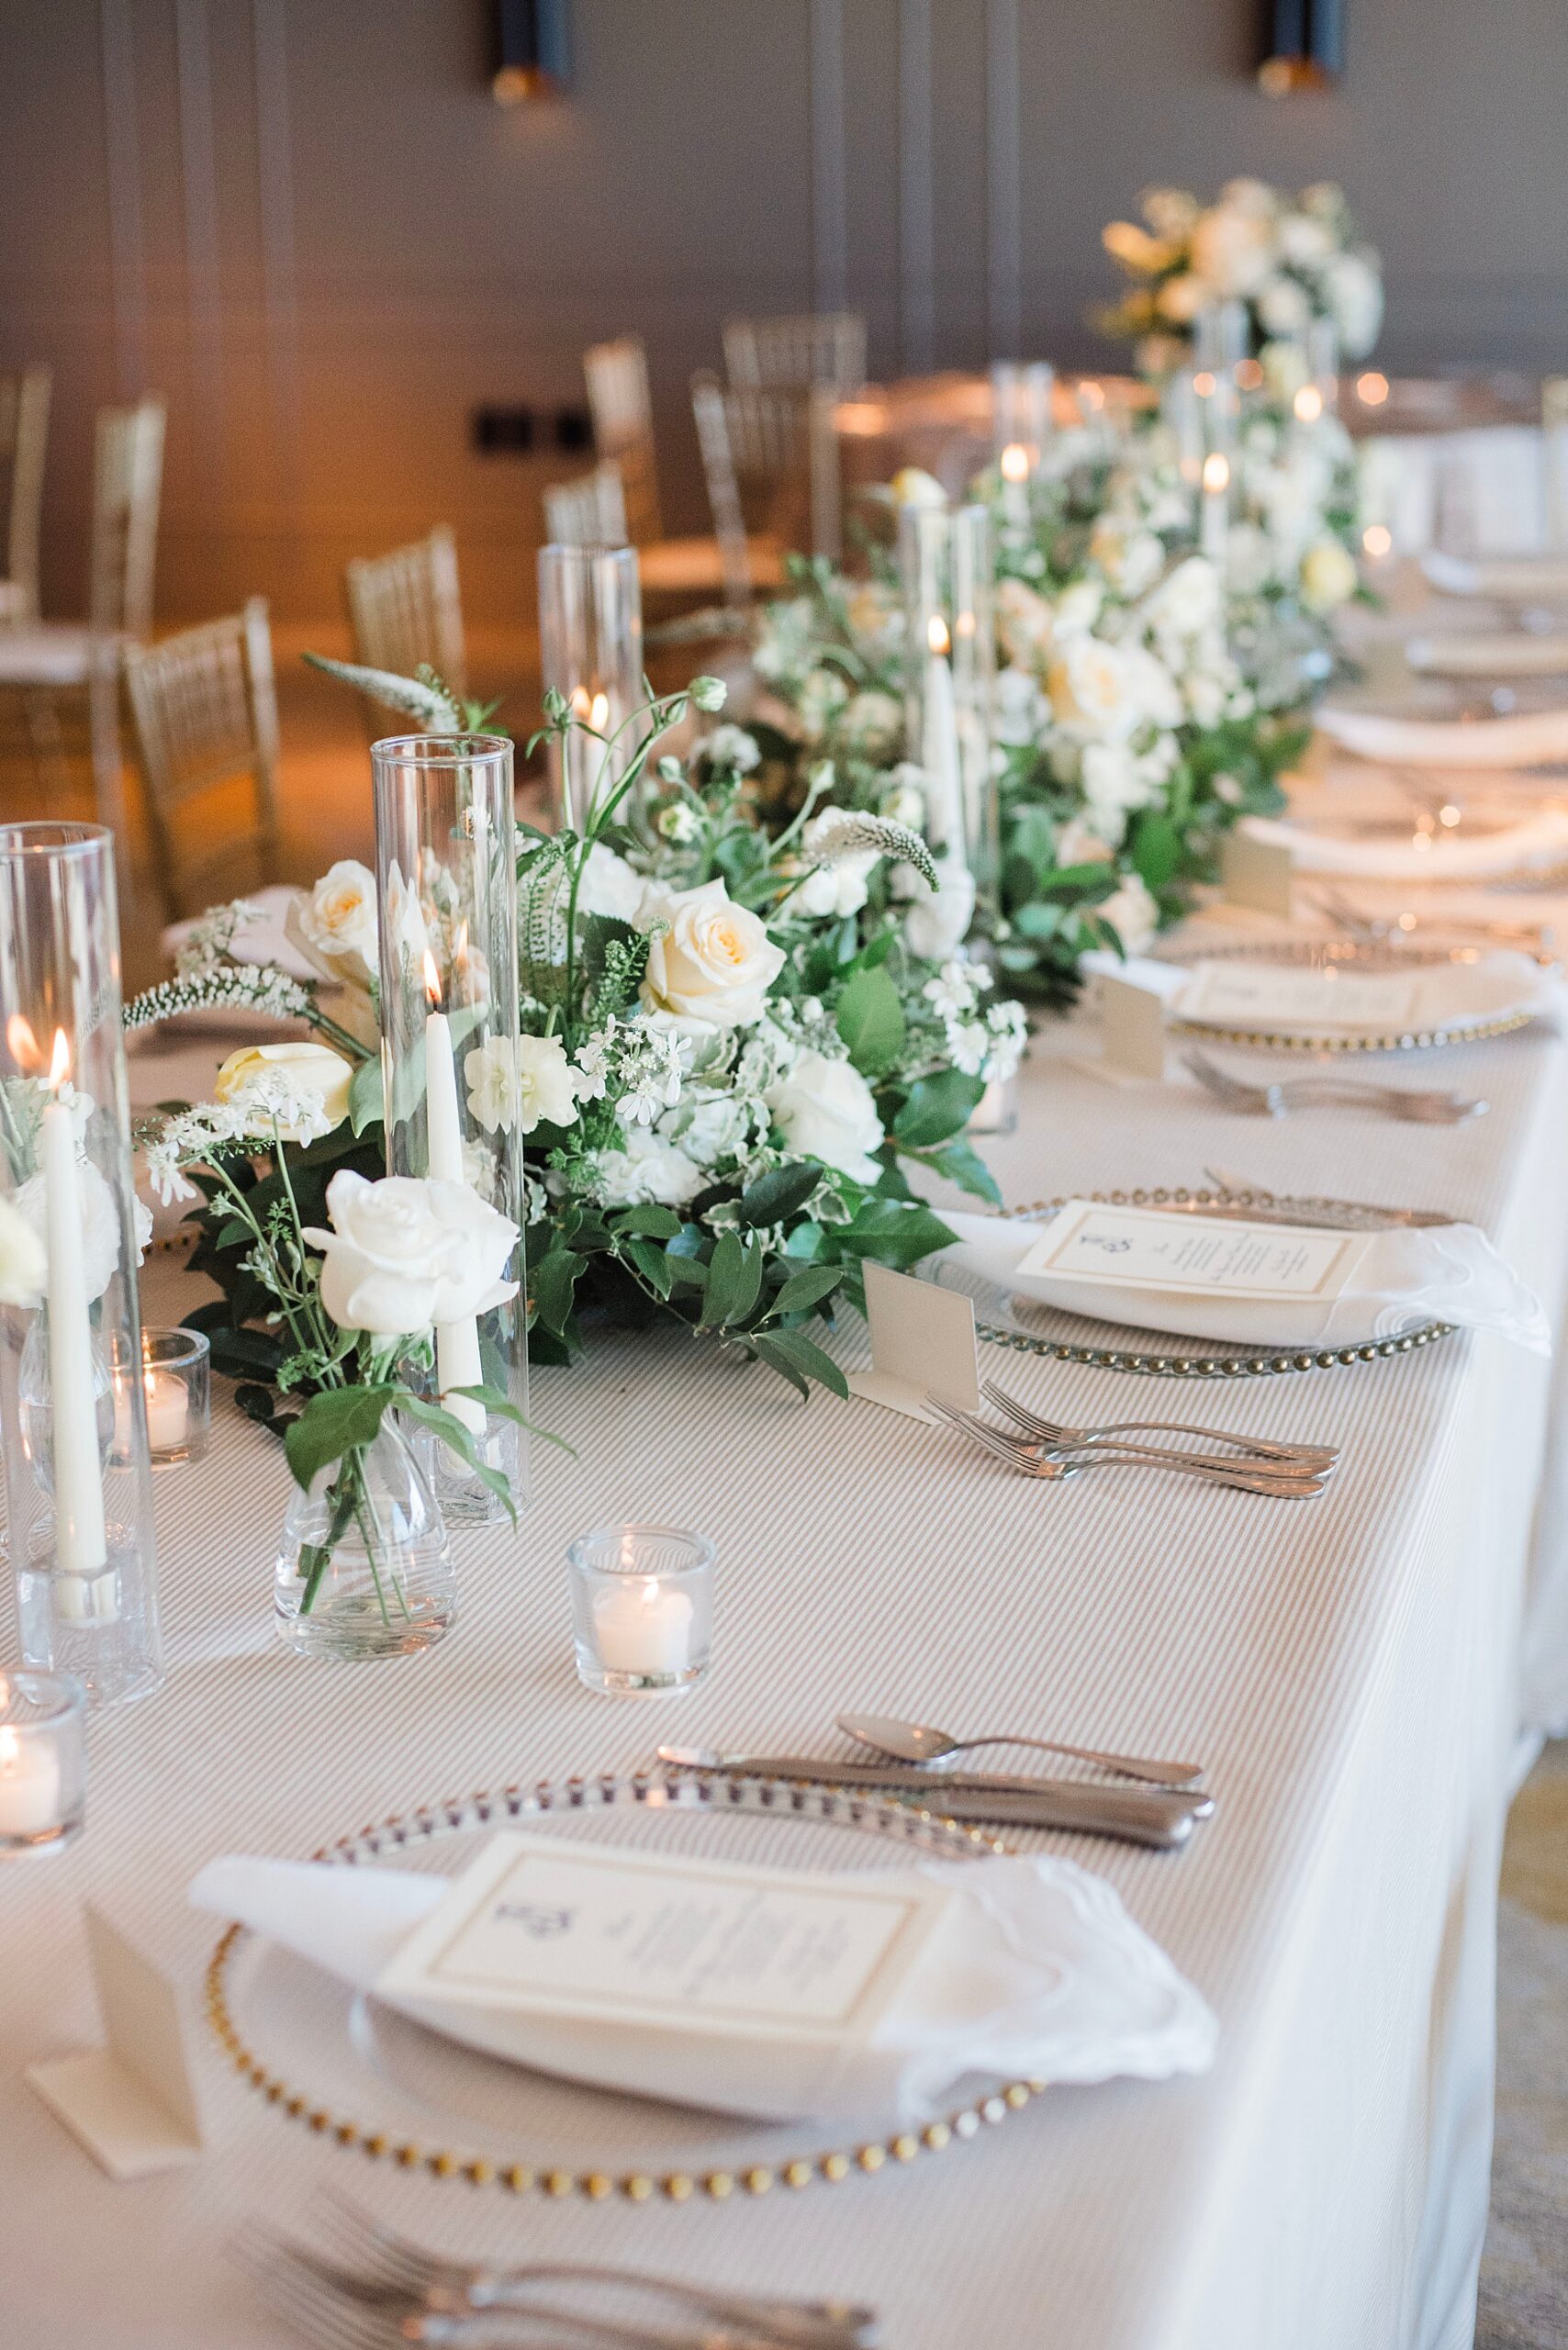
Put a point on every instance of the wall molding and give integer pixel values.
(122, 140)
(917, 227)
(1004, 183)
(830, 163)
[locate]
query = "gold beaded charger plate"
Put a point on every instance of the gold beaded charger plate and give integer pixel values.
(359, 2076)
(1379, 958)
(1004, 1319)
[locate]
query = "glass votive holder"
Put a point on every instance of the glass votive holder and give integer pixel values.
(642, 1609)
(176, 1380)
(43, 1763)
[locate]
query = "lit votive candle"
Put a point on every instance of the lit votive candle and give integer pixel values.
(42, 1763)
(642, 1609)
(175, 1366)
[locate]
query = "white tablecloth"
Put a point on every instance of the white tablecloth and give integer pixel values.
(1349, 1671)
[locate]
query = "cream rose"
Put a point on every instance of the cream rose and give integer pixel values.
(824, 1109)
(913, 487)
(1328, 575)
(1091, 689)
(303, 1088)
(405, 1253)
(334, 923)
(715, 961)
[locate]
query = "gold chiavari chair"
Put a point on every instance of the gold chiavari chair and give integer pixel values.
(204, 713)
(825, 348)
(59, 680)
(589, 512)
(24, 432)
(622, 412)
(775, 453)
(406, 613)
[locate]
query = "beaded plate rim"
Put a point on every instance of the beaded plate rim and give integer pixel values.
(1308, 953)
(604, 1791)
(1269, 1364)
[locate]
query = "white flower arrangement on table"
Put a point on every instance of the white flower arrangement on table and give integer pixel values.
(1289, 259)
(731, 1063)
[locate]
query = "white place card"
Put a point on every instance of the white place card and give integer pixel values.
(1256, 874)
(132, 2103)
(1264, 996)
(922, 1340)
(544, 1926)
(1144, 1248)
(1131, 1029)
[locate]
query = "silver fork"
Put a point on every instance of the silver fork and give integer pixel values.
(392, 2259)
(1317, 1457)
(1533, 937)
(340, 2309)
(1027, 1458)
(1425, 1107)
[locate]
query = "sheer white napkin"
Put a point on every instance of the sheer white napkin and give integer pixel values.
(1432, 995)
(1534, 739)
(1036, 1972)
(1513, 579)
(1458, 855)
(1402, 1278)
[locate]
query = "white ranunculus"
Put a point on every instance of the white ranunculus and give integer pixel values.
(335, 924)
(838, 888)
(1187, 600)
(301, 1088)
(609, 886)
(715, 962)
(824, 1110)
(521, 1082)
(24, 1261)
(1092, 688)
(406, 924)
(1328, 575)
(100, 1233)
(408, 1252)
(913, 487)
(648, 1170)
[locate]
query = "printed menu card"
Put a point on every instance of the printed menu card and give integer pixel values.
(1150, 1249)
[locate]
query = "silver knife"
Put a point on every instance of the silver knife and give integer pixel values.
(1153, 1816)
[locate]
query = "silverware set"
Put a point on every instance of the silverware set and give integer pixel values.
(1419, 1106)
(1376, 930)
(374, 2291)
(1047, 1451)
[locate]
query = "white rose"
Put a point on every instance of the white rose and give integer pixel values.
(24, 1260)
(335, 924)
(714, 963)
(1091, 689)
(1355, 297)
(647, 1170)
(1024, 621)
(1328, 575)
(610, 885)
(1112, 785)
(100, 1233)
(406, 1252)
(1187, 600)
(913, 487)
(935, 924)
(707, 1127)
(824, 1109)
(1232, 249)
(521, 1082)
(309, 1081)
(1283, 307)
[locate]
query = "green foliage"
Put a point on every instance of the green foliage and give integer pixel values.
(870, 1019)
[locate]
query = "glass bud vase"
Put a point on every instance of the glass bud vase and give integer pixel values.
(80, 1504)
(363, 1564)
(590, 653)
(446, 879)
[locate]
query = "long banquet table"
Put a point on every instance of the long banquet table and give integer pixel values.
(1355, 1673)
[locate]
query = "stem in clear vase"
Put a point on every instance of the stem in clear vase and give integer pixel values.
(315, 1557)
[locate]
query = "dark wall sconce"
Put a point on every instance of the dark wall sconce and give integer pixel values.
(1304, 46)
(530, 50)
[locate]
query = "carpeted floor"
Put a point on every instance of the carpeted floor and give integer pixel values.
(1524, 2274)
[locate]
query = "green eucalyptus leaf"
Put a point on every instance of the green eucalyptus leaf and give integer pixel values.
(807, 1287)
(793, 1354)
(870, 1021)
(937, 1106)
(652, 1263)
(734, 1279)
(774, 1197)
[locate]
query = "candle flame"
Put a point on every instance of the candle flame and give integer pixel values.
(1248, 376)
(582, 702)
(1309, 404)
(1091, 395)
(1216, 471)
(598, 713)
(1372, 389)
(1014, 462)
(59, 1061)
(1377, 539)
(432, 982)
(23, 1043)
(1203, 385)
(651, 1592)
(936, 635)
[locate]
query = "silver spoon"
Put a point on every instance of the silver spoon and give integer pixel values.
(918, 1743)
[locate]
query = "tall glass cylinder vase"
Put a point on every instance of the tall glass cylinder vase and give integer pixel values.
(936, 925)
(446, 881)
(1021, 395)
(1220, 348)
(974, 678)
(590, 650)
(80, 1499)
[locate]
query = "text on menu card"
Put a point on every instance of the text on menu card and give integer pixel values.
(1146, 1248)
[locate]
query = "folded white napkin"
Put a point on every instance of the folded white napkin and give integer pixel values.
(1495, 986)
(1405, 1276)
(1534, 739)
(1458, 855)
(1514, 578)
(1037, 1973)
(1505, 653)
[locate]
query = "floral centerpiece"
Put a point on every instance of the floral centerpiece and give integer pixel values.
(1288, 259)
(734, 1060)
